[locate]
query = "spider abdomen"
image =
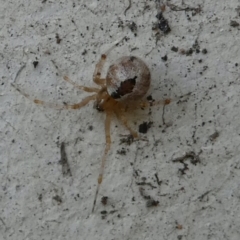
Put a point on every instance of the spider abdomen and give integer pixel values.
(128, 79)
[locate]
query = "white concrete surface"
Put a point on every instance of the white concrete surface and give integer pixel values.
(38, 202)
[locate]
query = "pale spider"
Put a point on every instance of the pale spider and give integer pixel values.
(124, 87)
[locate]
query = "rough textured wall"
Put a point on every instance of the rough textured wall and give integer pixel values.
(180, 181)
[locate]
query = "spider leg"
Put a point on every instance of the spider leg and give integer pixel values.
(67, 79)
(107, 148)
(86, 89)
(123, 119)
(99, 66)
(81, 104)
(165, 101)
(98, 69)
(84, 102)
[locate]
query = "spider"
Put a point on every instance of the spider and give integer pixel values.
(124, 88)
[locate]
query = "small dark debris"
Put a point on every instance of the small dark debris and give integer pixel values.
(112, 211)
(103, 212)
(194, 10)
(182, 51)
(47, 52)
(132, 26)
(179, 237)
(174, 49)
(58, 199)
(234, 23)
(163, 7)
(149, 98)
(135, 173)
(143, 128)
(179, 226)
(84, 52)
(196, 45)
(145, 184)
(35, 63)
(204, 51)
(143, 194)
(90, 128)
(189, 52)
(144, 179)
(205, 68)
(122, 152)
(127, 140)
(163, 23)
(132, 58)
(238, 10)
(213, 136)
(164, 58)
(66, 171)
(192, 155)
(104, 200)
(184, 169)
(200, 198)
(58, 39)
(40, 197)
(158, 181)
(152, 203)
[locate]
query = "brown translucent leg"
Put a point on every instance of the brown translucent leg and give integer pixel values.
(86, 89)
(122, 118)
(165, 101)
(107, 148)
(84, 102)
(98, 71)
(146, 103)
(99, 66)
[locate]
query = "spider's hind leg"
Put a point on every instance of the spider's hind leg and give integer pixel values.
(107, 148)
(163, 102)
(123, 119)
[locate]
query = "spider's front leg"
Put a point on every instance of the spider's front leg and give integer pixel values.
(84, 102)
